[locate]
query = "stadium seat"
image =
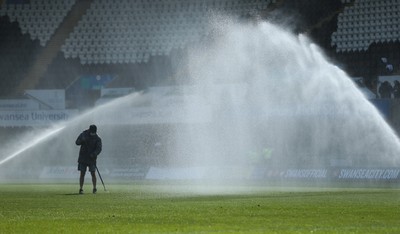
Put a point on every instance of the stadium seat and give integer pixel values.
(147, 23)
(38, 15)
(371, 21)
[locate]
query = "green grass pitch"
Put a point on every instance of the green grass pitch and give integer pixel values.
(169, 208)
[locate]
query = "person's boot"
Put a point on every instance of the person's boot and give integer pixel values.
(80, 191)
(94, 191)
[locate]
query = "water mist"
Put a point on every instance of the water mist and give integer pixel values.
(276, 101)
(255, 96)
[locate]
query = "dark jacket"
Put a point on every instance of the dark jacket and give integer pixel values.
(90, 147)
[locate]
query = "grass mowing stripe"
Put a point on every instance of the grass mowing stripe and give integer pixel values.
(47, 208)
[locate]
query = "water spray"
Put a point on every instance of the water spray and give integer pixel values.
(31, 144)
(255, 87)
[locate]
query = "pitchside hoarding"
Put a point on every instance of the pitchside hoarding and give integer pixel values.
(329, 174)
(240, 173)
(19, 104)
(23, 118)
(366, 174)
(273, 174)
(43, 108)
(68, 172)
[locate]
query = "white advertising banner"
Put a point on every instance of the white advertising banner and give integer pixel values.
(52, 98)
(18, 104)
(59, 173)
(22, 118)
(115, 92)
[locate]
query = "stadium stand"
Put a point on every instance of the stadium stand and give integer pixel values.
(113, 35)
(129, 38)
(17, 53)
(38, 18)
(367, 22)
(114, 32)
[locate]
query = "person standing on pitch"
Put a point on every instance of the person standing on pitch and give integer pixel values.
(91, 147)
